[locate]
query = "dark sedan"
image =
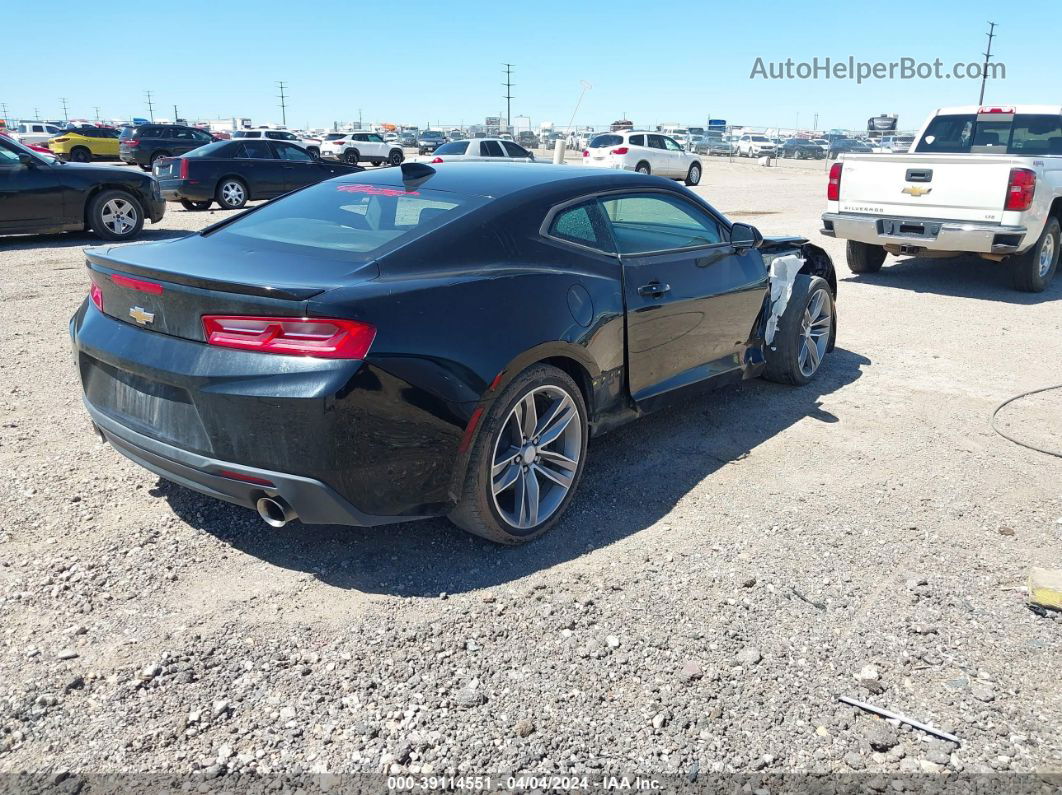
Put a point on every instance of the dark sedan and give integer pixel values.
(801, 149)
(40, 194)
(840, 146)
(235, 172)
(712, 145)
(422, 341)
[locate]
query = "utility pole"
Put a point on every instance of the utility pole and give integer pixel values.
(175, 114)
(988, 55)
(3, 110)
(97, 109)
(359, 118)
(508, 93)
(66, 116)
(36, 114)
(283, 103)
(815, 126)
(151, 107)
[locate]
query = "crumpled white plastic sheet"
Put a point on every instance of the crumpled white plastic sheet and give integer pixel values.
(783, 273)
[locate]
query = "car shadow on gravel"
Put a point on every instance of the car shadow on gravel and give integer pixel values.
(962, 277)
(84, 239)
(634, 478)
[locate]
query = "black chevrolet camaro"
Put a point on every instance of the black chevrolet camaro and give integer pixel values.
(422, 341)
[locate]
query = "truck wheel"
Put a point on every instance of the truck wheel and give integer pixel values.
(804, 335)
(864, 257)
(1033, 270)
(526, 460)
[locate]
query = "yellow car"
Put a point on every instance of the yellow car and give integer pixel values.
(86, 144)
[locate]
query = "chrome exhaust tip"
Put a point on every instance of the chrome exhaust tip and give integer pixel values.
(275, 511)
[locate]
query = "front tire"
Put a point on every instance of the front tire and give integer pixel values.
(804, 335)
(527, 459)
(693, 177)
(864, 257)
(115, 215)
(231, 193)
(1034, 269)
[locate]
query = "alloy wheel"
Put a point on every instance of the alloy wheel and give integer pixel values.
(815, 333)
(232, 193)
(1047, 254)
(119, 216)
(536, 457)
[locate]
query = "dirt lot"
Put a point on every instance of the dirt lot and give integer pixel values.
(727, 571)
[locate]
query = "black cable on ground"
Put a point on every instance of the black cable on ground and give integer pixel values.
(1008, 437)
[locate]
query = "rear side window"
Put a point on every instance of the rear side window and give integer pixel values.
(255, 150)
(601, 141)
(655, 222)
(491, 149)
(515, 150)
(453, 148)
(582, 225)
(347, 218)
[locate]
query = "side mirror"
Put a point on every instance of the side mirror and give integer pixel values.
(745, 236)
(25, 159)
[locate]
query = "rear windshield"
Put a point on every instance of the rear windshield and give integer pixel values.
(215, 149)
(453, 148)
(1022, 134)
(346, 218)
(600, 141)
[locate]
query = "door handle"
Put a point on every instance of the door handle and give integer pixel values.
(654, 289)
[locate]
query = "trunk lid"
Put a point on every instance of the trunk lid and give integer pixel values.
(959, 187)
(168, 287)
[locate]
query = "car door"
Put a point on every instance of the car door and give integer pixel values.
(260, 169)
(31, 196)
(297, 165)
(676, 156)
(692, 299)
(375, 147)
(656, 153)
(491, 149)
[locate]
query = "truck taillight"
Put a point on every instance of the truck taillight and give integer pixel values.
(184, 168)
(1020, 189)
(833, 188)
(326, 338)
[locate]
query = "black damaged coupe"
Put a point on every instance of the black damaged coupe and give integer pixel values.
(422, 341)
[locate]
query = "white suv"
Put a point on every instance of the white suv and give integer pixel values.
(755, 146)
(311, 145)
(360, 146)
(644, 152)
(36, 132)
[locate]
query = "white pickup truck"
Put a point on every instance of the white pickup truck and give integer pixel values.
(978, 180)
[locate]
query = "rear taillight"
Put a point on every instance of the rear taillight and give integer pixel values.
(833, 188)
(132, 142)
(184, 168)
(59, 140)
(437, 160)
(619, 151)
(586, 153)
(96, 295)
(326, 338)
(136, 284)
(1020, 189)
(995, 110)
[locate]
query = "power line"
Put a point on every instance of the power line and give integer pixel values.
(508, 93)
(151, 107)
(283, 104)
(988, 55)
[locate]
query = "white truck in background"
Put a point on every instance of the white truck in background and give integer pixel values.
(978, 180)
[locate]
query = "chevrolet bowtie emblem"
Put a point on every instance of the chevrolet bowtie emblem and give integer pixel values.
(914, 190)
(140, 316)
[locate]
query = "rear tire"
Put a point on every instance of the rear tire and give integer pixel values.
(396, 157)
(231, 193)
(115, 215)
(155, 157)
(190, 205)
(804, 335)
(643, 168)
(351, 157)
(864, 257)
(377, 163)
(1034, 269)
(79, 154)
(497, 457)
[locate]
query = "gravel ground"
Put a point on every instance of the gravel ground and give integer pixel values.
(728, 569)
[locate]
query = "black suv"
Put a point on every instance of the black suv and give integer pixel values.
(146, 143)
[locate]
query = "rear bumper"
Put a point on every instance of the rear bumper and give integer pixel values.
(935, 235)
(173, 190)
(313, 501)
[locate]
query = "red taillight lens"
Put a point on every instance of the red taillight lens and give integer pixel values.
(136, 284)
(995, 110)
(58, 140)
(184, 168)
(586, 153)
(437, 160)
(326, 338)
(132, 142)
(1020, 189)
(833, 189)
(619, 151)
(228, 473)
(96, 295)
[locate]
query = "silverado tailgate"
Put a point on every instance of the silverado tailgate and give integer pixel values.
(961, 187)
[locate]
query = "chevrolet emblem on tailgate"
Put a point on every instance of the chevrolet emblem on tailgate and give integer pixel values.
(914, 190)
(140, 316)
